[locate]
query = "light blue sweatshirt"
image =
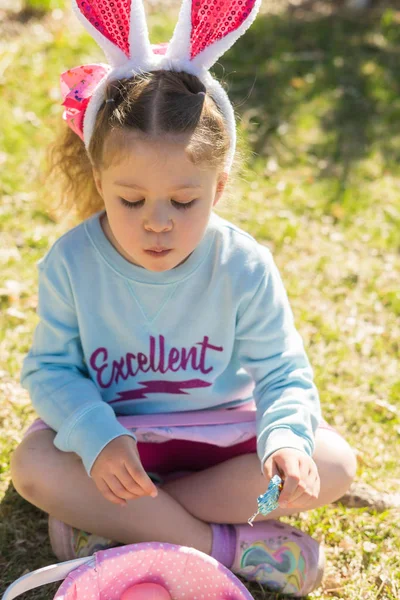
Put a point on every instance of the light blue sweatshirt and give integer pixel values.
(214, 332)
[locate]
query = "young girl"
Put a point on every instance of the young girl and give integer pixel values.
(166, 350)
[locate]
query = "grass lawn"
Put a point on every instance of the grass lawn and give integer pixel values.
(318, 100)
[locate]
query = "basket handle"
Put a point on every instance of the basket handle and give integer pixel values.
(48, 574)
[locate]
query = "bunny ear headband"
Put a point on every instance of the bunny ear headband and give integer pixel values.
(204, 31)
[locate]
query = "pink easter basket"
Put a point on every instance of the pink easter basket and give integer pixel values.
(185, 573)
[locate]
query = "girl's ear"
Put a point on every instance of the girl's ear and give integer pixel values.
(221, 183)
(97, 180)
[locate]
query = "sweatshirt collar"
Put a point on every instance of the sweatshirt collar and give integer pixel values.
(128, 270)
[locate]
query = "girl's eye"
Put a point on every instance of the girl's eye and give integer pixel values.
(180, 205)
(140, 203)
(137, 204)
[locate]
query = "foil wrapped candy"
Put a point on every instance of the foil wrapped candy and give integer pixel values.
(268, 501)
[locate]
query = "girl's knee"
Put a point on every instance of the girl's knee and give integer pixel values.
(21, 475)
(336, 460)
(349, 463)
(28, 466)
(346, 467)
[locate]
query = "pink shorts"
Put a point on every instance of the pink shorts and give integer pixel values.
(183, 455)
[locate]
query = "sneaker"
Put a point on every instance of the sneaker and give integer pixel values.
(278, 556)
(68, 543)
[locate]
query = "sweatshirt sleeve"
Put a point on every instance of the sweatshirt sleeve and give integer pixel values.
(56, 377)
(272, 351)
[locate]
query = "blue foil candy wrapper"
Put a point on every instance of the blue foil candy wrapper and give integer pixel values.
(268, 501)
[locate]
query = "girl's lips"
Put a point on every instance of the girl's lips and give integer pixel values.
(156, 253)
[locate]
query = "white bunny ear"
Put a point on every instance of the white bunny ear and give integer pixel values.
(118, 26)
(208, 28)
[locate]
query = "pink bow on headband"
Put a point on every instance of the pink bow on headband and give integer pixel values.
(78, 85)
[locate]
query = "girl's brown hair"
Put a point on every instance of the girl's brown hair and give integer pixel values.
(157, 103)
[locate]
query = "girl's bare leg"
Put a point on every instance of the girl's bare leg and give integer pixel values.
(57, 483)
(227, 493)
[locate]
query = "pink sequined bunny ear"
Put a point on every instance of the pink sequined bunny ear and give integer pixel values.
(206, 29)
(118, 26)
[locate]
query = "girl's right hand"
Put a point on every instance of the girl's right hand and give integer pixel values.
(118, 472)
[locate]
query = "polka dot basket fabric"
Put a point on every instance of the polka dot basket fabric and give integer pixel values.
(186, 574)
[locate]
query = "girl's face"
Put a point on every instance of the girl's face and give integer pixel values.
(157, 202)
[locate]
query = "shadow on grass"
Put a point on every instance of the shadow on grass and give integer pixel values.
(24, 543)
(337, 73)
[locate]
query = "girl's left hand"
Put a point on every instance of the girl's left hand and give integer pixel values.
(300, 476)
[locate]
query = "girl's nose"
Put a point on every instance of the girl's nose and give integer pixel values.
(158, 220)
(158, 226)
